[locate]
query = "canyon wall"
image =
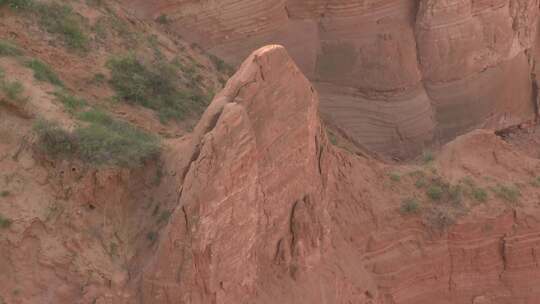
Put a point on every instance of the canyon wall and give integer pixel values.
(270, 212)
(393, 74)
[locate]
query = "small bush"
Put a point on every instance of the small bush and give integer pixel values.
(421, 183)
(435, 192)
(70, 102)
(152, 236)
(17, 4)
(163, 19)
(164, 216)
(100, 141)
(13, 91)
(8, 49)
(4, 222)
(43, 72)
(456, 194)
(440, 219)
(108, 141)
(479, 194)
(409, 206)
(60, 19)
(98, 79)
(56, 18)
(428, 156)
(395, 177)
(4, 193)
(54, 140)
(155, 88)
(220, 65)
(508, 193)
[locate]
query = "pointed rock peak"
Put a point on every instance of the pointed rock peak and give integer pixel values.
(259, 149)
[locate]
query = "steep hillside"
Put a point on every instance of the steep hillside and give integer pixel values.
(90, 100)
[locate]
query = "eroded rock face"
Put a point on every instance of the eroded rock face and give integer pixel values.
(393, 74)
(271, 212)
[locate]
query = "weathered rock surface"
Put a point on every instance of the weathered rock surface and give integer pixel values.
(270, 212)
(394, 74)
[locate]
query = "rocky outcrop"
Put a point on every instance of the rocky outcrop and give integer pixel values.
(270, 212)
(393, 74)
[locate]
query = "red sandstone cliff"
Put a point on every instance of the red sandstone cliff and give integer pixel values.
(392, 74)
(270, 212)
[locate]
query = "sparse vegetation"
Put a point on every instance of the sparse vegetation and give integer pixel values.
(479, 194)
(70, 102)
(5, 222)
(60, 19)
(440, 219)
(56, 18)
(54, 140)
(455, 193)
(435, 192)
(220, 65)
(17, 4)
(164, 216)
(108, 141)
(152, 236)
(395, 177)
(163, 19)
(9, 49)
(421, 182)
(156, 88)
(43, 72)
(536, 182)
(427, 156)
(101, 140)
(13, 91)
(410, 206)
(4, 193)
(508, 193)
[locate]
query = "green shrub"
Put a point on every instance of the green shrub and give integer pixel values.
(101, 140)
(56, 18)
(155, 88)
(8, 49)
(18, 4)
(479, 194)
(440, 219)
(108, 141)
(13, 91)
(4, 222)
(43, 72)
(421, 182)
(4, 193)
(152, 236)
(70, 102)
(428, 156)
(395, 177)
(508, 193)
(435, 192)
(54, 140)
(164, 216)
(456, 193)
(220, 65)
(60, 19)
(409, 206)
(163, 19)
